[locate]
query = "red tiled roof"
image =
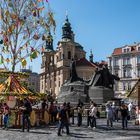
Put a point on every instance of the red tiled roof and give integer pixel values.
(103, 63)
(84, 62)
(117, 51)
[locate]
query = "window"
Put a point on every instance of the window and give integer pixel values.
(126, 61)
(138, 59)
(124, 73)
(69, 55)
(124, 86)
(138, 72)
(129, 85)
(124, 50)
(138, 48)
(116, 62)
(127, 73)
(128, 49)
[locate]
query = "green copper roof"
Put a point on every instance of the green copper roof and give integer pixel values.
(78, 45)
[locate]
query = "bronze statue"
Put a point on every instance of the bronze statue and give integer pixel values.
(73, 73)
(104, 78)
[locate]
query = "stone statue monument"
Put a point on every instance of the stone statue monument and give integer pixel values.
(99, 88)
(74, 88)
(101, 85)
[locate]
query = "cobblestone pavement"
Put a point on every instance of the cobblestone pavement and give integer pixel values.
(76, 133)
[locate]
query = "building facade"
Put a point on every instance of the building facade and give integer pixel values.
(125, 62)
(55, 67)
(33, 81)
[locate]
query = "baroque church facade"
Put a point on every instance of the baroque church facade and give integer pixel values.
(55, 67)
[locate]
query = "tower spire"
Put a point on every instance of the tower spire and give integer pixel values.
(67, 32)
(91, 56)
(49, 42)
(66, 14)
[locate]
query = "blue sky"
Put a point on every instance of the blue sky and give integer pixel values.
(100, 25)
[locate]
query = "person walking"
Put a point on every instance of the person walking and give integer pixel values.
(130, 108)
(26, 111)
(88, 114)
(63, 120)
(93, 116)
(79, 112)
(124, 115)
(109, 115)
(6, 111)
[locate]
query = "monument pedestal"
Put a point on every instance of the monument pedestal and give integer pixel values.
(72, 92)
(100, 94)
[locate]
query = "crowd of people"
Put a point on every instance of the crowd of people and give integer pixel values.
(60, 114)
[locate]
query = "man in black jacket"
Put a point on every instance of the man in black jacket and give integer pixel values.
(63, 119)
(27, 109)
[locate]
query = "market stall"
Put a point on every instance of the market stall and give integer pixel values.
(12, 92)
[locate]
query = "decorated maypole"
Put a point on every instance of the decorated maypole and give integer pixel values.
(24, 25)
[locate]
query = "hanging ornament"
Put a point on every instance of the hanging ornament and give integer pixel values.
(34, 13)
(10, 30)
(7, 13)
(23, 62)
(12, 27)
(22, 22)
(14, 16)
(43, 37)
(34, 54)
(36, 37)
(7, 60)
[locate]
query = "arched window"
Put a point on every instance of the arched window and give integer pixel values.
(69, 55)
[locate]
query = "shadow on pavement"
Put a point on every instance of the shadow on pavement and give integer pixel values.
(37, 132)
(31, 131)
(77, 135)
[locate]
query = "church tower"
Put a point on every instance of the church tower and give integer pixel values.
(47, 66)
(67, 32)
